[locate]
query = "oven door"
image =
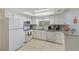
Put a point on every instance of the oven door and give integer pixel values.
(28, 35)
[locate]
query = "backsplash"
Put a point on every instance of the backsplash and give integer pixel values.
(69, 20)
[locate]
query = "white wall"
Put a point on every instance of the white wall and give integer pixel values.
(70, 15)
(66, 17)
(3, 31)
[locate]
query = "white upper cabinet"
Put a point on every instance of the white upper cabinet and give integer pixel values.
(33, 20)
(52, 20)
(59, 19)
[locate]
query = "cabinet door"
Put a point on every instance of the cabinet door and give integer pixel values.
(71, 43)
(60, 37)
(59, 19)
(52, 20)
(34, 33)
(42, 35)
(33, 20)
(16, 39)
(51, 36)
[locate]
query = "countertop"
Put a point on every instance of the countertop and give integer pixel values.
(48, 30)
(71, 34)
(65, 33)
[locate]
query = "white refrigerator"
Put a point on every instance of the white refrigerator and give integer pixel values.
(16, 33)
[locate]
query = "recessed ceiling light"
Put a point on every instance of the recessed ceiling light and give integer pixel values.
(41, 10)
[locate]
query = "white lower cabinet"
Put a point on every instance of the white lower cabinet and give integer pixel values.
(34, 33)
(42, 35)
(71, 42)
(59, 37)
(39, 34)
(51, 36)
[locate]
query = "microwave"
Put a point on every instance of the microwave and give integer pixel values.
(26, 23)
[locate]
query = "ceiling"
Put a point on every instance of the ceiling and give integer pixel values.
(31, 11)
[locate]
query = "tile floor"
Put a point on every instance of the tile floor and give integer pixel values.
(39, 45)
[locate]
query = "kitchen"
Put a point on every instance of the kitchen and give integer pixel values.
(39, 29)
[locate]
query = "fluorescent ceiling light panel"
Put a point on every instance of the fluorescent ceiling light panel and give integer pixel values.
(28, 13)
(41, 10)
